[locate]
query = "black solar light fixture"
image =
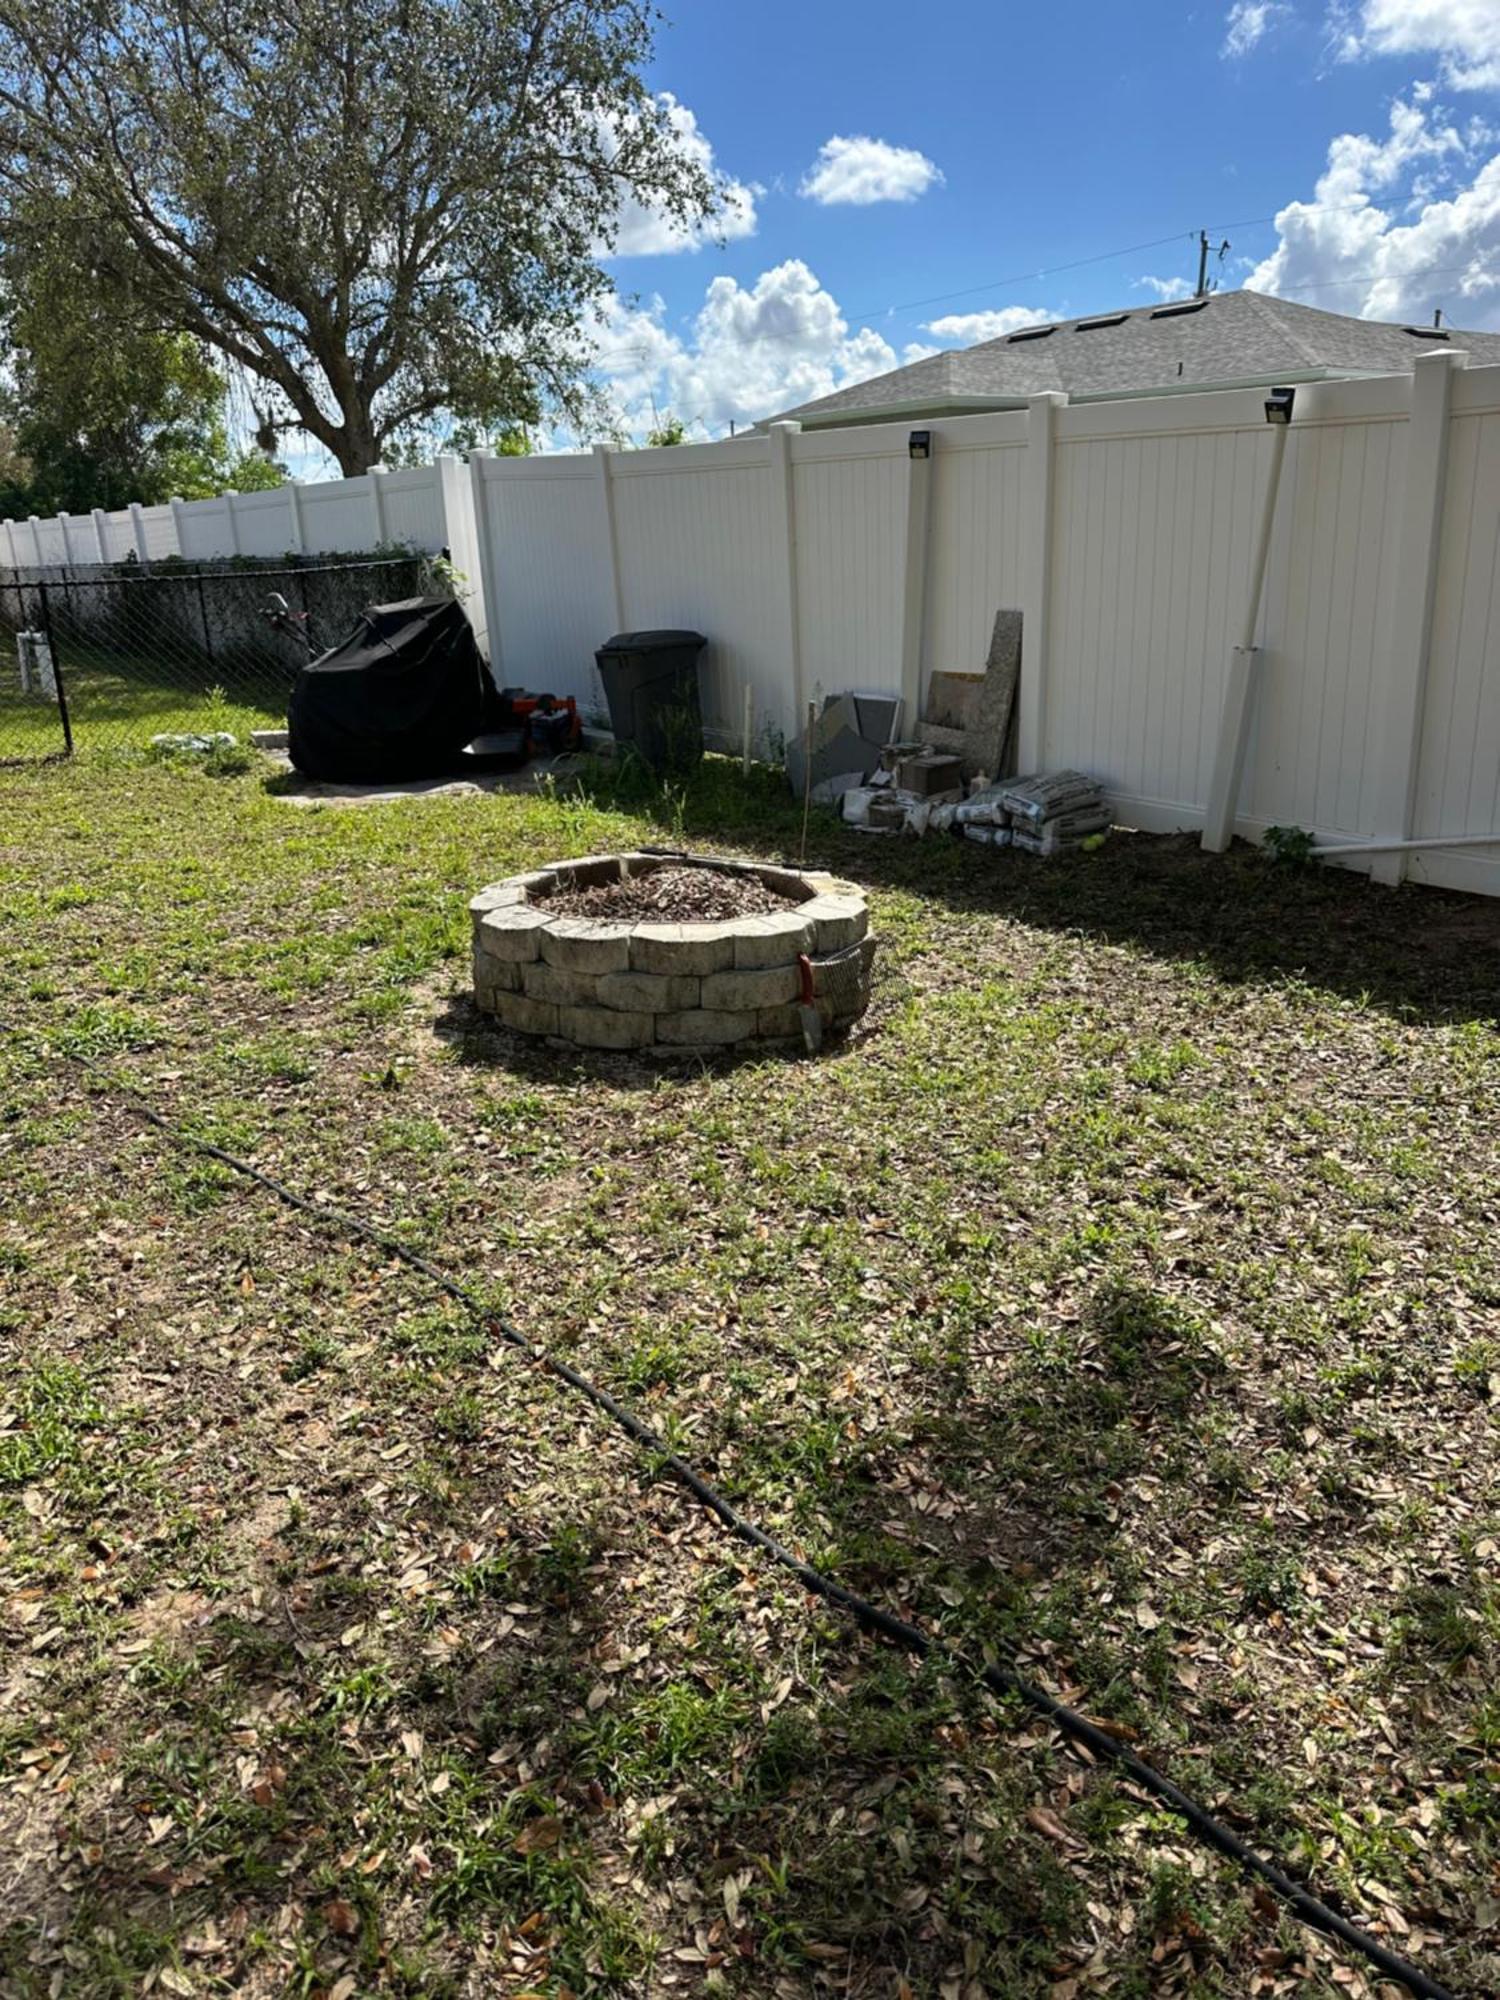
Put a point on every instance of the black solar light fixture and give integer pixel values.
(919, 444)
(1279, 406)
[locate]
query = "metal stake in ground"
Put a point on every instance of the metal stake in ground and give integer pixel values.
(57, 672)
(812, 717)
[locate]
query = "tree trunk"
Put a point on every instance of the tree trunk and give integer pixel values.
(355, 445)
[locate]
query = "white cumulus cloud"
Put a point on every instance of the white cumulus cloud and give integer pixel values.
(749, 352)
(1247, 23)
(859, 171)
(1166, 289)
(1398, 225)
(974, 326)
(644, 231)
(1464, 34)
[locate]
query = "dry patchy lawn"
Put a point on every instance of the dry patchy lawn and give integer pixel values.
(1125, 1296)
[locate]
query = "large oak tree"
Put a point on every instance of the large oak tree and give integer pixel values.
(386, 213)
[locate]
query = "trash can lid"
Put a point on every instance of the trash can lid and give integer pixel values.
(650, 642)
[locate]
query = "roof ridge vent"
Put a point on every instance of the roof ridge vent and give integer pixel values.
(1029, 333)
(1180, 309)
(1100, 319)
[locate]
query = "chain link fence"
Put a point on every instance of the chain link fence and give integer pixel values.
(111, 658)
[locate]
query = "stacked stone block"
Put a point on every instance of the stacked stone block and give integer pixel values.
(669, 986)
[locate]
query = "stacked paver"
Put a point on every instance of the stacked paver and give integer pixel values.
(601, 985)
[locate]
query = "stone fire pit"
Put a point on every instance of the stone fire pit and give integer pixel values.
(596, 983)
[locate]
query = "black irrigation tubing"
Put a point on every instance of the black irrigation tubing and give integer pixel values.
(1000, 1680)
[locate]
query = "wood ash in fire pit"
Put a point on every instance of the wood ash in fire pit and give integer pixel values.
(672, 896)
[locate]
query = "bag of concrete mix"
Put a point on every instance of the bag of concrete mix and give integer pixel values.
(1061, 835)
(1048, 795)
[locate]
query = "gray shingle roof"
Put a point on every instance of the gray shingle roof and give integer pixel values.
(1230, 337)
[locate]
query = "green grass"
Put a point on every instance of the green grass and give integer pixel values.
(1121, 1299)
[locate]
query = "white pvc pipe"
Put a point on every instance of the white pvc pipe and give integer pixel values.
(1406, 846)
(1239, 691)
(1262, 555)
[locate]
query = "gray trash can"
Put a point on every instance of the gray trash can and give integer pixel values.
(651, 685)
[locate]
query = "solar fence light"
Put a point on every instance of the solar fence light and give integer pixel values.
(1279, 406)
(919, 444)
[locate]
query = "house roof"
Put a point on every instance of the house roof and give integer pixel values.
(1229, 337)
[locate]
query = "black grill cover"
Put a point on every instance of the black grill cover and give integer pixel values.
(398, 699)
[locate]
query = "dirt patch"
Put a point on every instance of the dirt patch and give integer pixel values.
(673, 896)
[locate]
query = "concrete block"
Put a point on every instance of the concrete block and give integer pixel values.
(704, 1027)
(498, 896)
(838, 922)
(580, 944)
(494, 975)
(785, 881)
(695, 949)
(745, 992)
(526, 1016)
(994, 712)
(510, 934)
(564, 989)
(775, 939)
(930, 776)
(951, 701)
(648, 992)
(778, 1024)
(606, 1028)
(592, 871)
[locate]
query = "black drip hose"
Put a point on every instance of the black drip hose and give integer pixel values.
(1000, 1680)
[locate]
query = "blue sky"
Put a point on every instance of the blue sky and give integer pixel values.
(880, 157)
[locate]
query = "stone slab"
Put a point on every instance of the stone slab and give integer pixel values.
(512, 933)
(745, 992)
(606, 1028)
(648, 992)
(494, 975)
(564, 989)
(526, 1016)
(838, 921)
(498, 896)
(704, 1027)
(695, 949)
(995, 710)
(590, 871)
(778, 1024)
(580, 944)
(774, 939)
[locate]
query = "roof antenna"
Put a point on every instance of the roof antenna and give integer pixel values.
(1204, 288)
(1437, 316)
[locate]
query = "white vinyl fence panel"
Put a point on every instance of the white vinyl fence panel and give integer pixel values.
(412, 509)
(545, 534)
(975, 538)
(1326, 610)
(697, 548)
(160, 531)
(1458, 787)
(1121, 530)
(849, 505)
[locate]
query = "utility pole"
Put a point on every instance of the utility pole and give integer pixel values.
(1202, 291)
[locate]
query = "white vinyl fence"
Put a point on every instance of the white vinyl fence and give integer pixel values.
(424, 507)
(822, 561)
(818, 561)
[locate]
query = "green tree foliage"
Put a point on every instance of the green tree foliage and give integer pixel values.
(667, 430)
(101, 407)
(388, 213)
